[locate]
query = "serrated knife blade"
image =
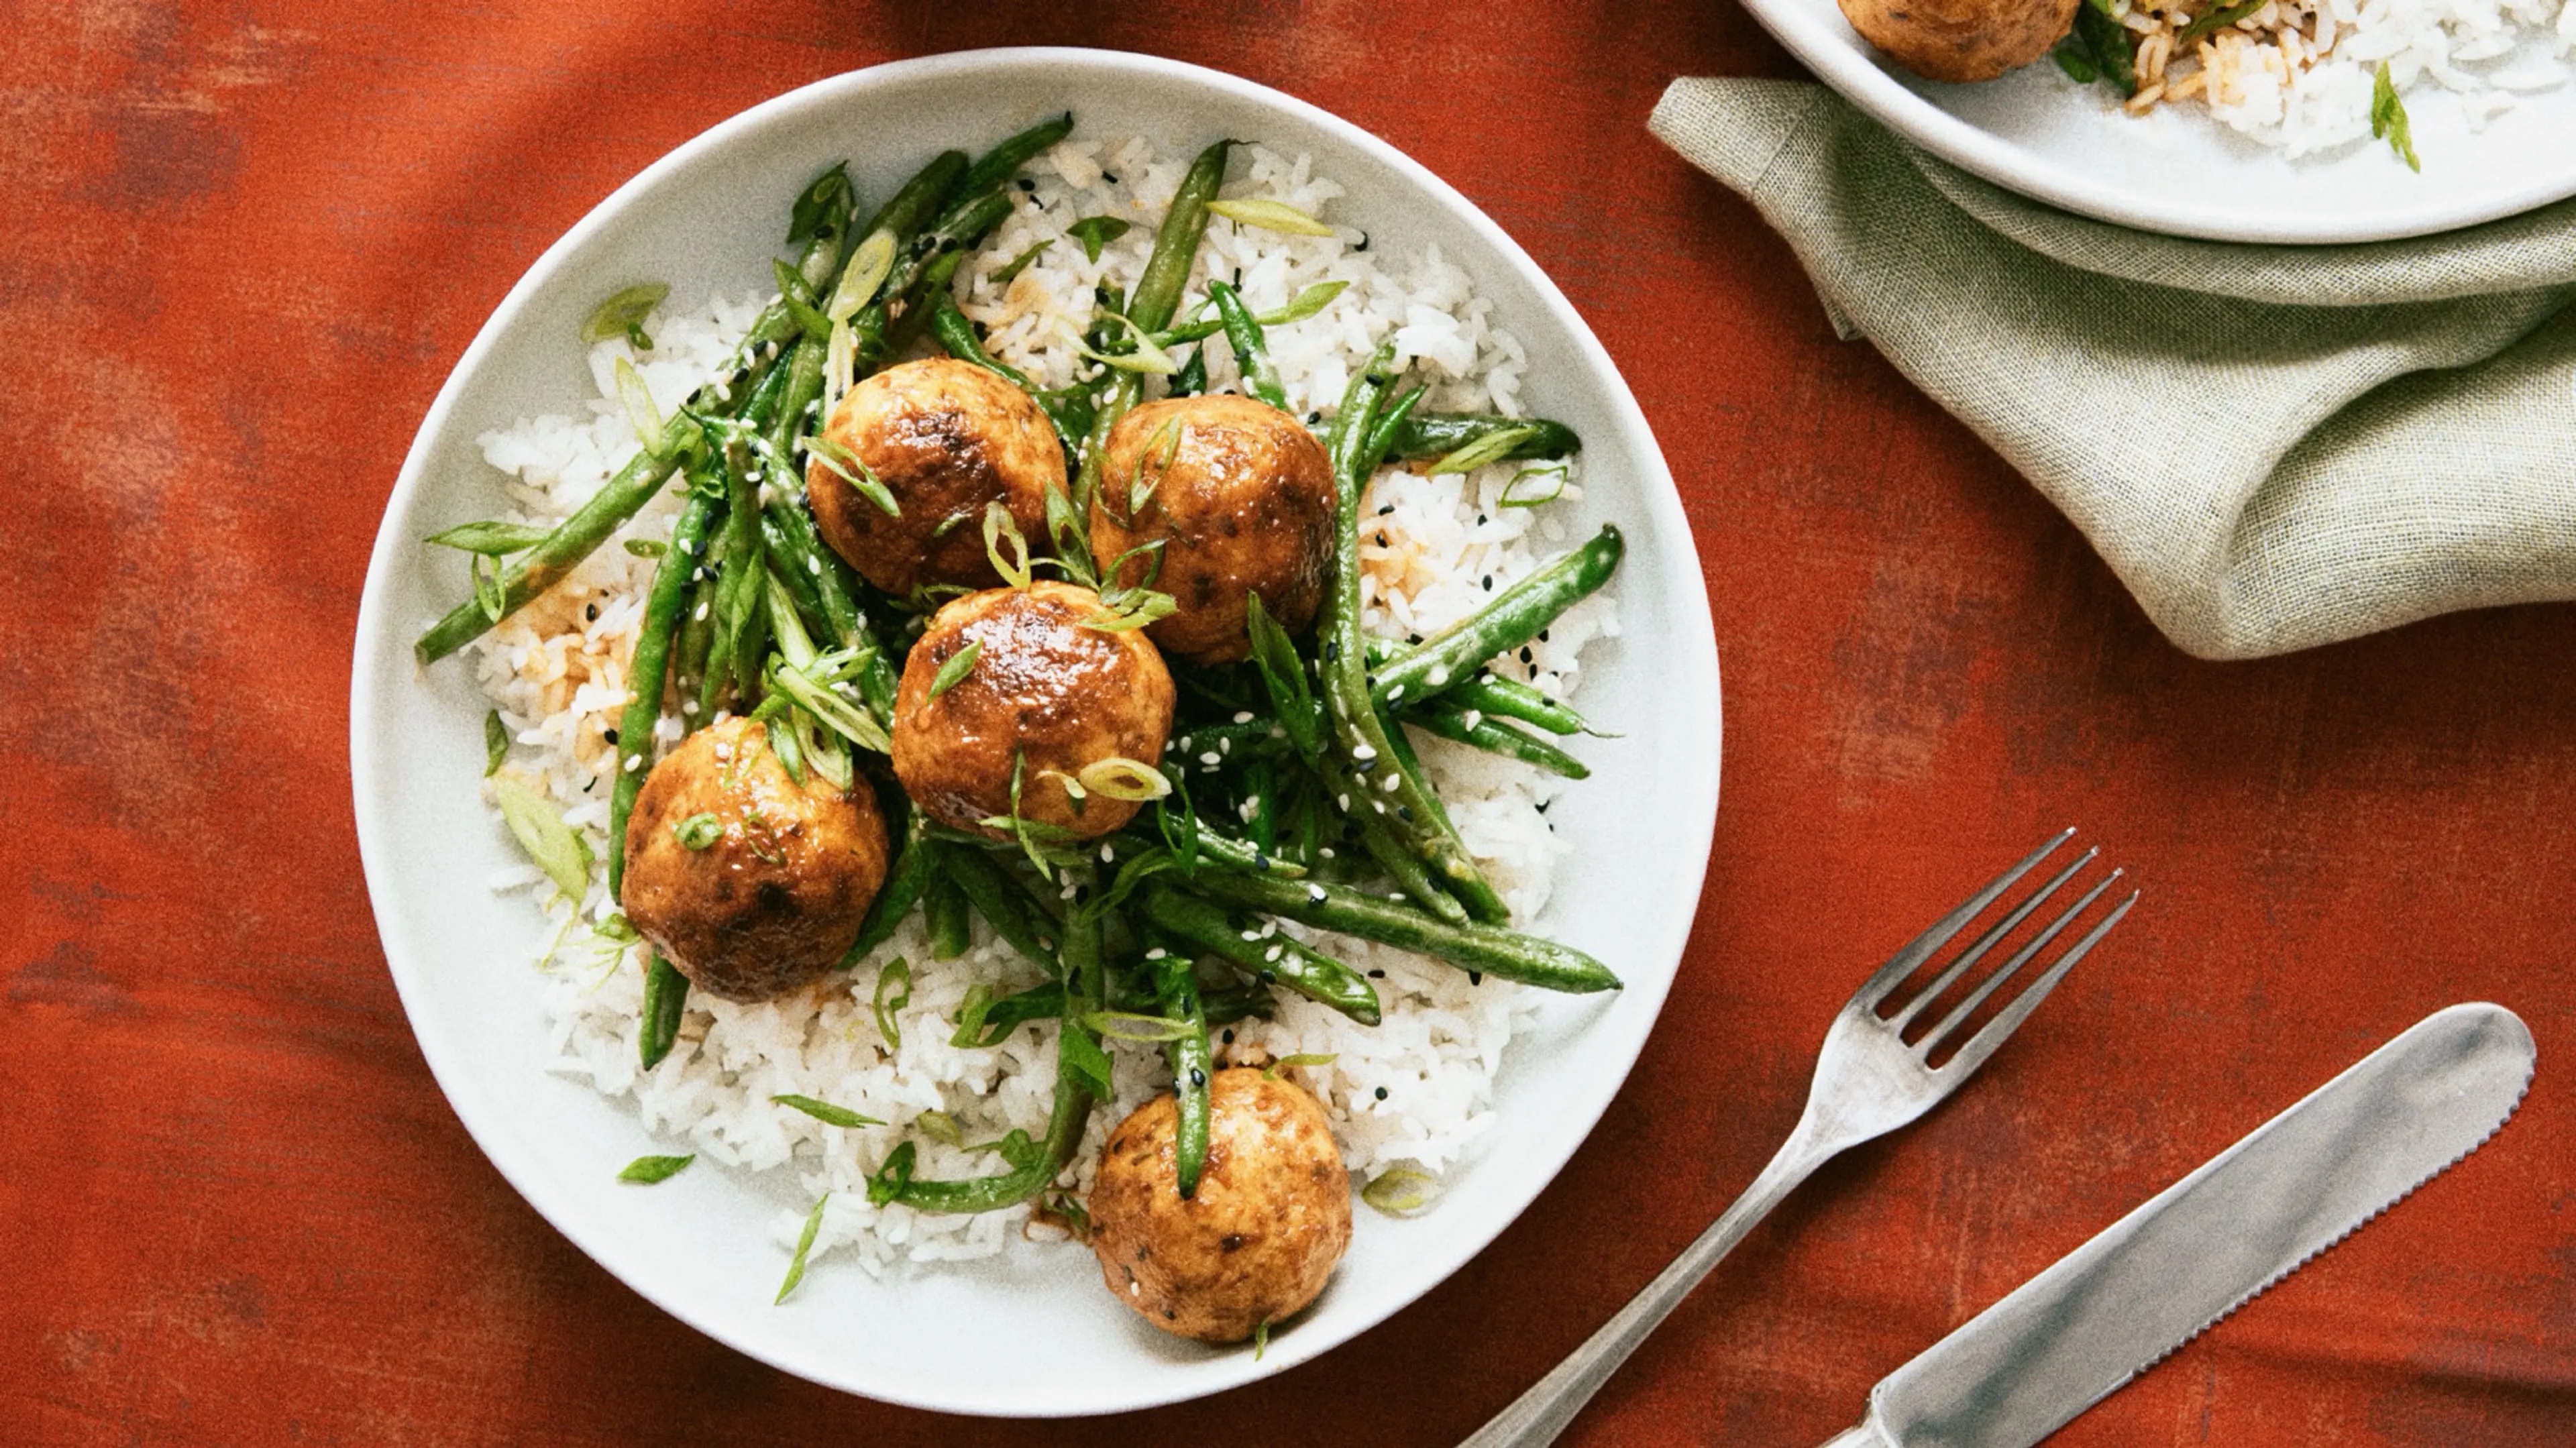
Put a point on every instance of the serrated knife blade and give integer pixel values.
(2251, 1215)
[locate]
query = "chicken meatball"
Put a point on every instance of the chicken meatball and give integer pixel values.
(1961, 40)
(1241, 497)
(751, 884)
(1271, 1218)
(946, 438)
(1045, 695)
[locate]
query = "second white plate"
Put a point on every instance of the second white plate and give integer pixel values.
(2176, 170)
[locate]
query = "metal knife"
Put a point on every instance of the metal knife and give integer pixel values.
(2252, 1215)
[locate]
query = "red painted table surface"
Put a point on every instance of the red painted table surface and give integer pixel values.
(244, 243)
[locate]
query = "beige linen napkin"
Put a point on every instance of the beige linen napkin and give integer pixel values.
(2274, 447)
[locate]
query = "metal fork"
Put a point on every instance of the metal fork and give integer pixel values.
(1868, 1082)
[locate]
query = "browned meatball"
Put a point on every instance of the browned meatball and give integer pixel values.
(1044, 688)
(1271, 1218)
(1961, 40)
(749, 883)
(946, 438)
(1243, 497)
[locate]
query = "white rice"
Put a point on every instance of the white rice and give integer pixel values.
(1414, 1091)
(2299, 74)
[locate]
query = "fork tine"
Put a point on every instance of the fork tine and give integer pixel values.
(1983, 1043)
(1950, 974)
(1905, 962)
(1975, 998)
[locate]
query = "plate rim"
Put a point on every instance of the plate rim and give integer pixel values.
(1802, 28)
(377, 643)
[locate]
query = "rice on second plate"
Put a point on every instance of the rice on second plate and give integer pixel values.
(2299, 74)
(1414, 1091)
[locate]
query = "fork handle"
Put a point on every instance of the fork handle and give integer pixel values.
(1535, 1417)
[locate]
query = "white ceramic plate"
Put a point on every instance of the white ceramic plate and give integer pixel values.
(1031, 1333)
(2175, 170)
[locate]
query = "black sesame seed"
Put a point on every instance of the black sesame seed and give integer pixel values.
(1269, 977)
(1375, 975)
(1404, 812)
(1542, 635)
(590, 613)
(608, 734)
(1105, 176)
(1480, 518)
(1028, 185)
(1525, 656)
(1384, 509)
(1229, 1036)
(1197, 1077)
(1475, 977)
(1489, 583)
(1314, 417)
(1364, 242)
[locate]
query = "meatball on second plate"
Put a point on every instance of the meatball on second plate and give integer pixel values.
(1271, 1219)
(751, 884)
(1044, 693)
(1961, 40)
(1241, 497)
(946, 438)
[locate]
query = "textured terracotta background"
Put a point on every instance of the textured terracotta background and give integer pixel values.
(244, 241)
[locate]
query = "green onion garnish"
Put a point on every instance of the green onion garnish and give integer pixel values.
(940, 1126)
(1001, 528)
(623, 314)
(1513, 498)
(1260, 1338)
(651, 1169)
(699, 831)
(894, 992)
(1492, 447)
(825, 1112)
(1095, 232)
(496, 743)
(959, 665)
(890, 1179)
(804, 1244)
(647, 547)
(493, 540)
(1271, 1071)
(2388, 118)
(1019, 264)
(640, 411)
(1129, 1026)
(1270, 216)
(555, 846)
(1399, 1190)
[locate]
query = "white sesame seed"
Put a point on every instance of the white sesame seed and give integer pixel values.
(1363, 751)
(1391, 781)
(1243, 716)
(634, 762)
(1252, 935)
(701, 615)
(1273, 953)
(1316, 894)
(1211, 759)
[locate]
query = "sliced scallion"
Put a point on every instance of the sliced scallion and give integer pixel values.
(1399, 1190)
(650, 1169)
(699, 831)
(959, 665)
(623, 314)
(637, 399)
(804, 1244)
(894, 992)
(1129, 1026)
(496, 743)
(1095, 232)
(825, 1112)
(1270, 216)
(939, 1126)
(1492, 447)
(1271, 1071)
(495, 540)
(556, 847)
(1001, 529)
